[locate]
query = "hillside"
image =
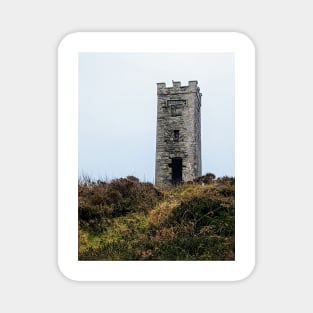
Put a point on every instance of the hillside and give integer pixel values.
(131, 220)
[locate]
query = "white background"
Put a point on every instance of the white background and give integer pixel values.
(68, 90)
(30, 32)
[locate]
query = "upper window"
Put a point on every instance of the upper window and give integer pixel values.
(176, 135)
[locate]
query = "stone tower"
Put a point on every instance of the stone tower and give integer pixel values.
(178, 139)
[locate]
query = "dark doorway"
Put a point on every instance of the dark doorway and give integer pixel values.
(177, 170)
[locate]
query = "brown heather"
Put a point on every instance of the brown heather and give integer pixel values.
(126, 219)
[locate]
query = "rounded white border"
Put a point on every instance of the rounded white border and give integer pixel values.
(68, 51)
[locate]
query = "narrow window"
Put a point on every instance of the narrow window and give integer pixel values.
(173, 110)
(176, 135)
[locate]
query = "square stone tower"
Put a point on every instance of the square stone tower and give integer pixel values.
(178, 138)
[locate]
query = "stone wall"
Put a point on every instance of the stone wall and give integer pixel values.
(178, 131)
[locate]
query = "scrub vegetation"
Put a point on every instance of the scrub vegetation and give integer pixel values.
(126, 219)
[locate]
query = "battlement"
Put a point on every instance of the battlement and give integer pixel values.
(192, 85)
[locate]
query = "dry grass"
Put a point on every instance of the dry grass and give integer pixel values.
(162, 212)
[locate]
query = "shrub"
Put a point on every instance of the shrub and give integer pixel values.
(206, 179)
(199, 212)
(98, 202)
(135, 196)
(226, 180)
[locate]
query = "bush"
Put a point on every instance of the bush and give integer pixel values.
(134, 196)
(206, 179)
(201, 212)
(226, 180)
(99, 201)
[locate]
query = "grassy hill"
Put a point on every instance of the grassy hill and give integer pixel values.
(131, 220)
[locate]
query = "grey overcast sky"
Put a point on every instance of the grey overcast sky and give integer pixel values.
(118, 106)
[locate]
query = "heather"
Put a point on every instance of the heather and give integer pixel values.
(125, 219)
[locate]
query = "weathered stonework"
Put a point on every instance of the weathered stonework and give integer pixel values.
(178, 143)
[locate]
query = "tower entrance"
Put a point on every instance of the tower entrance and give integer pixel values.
(177, 171)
